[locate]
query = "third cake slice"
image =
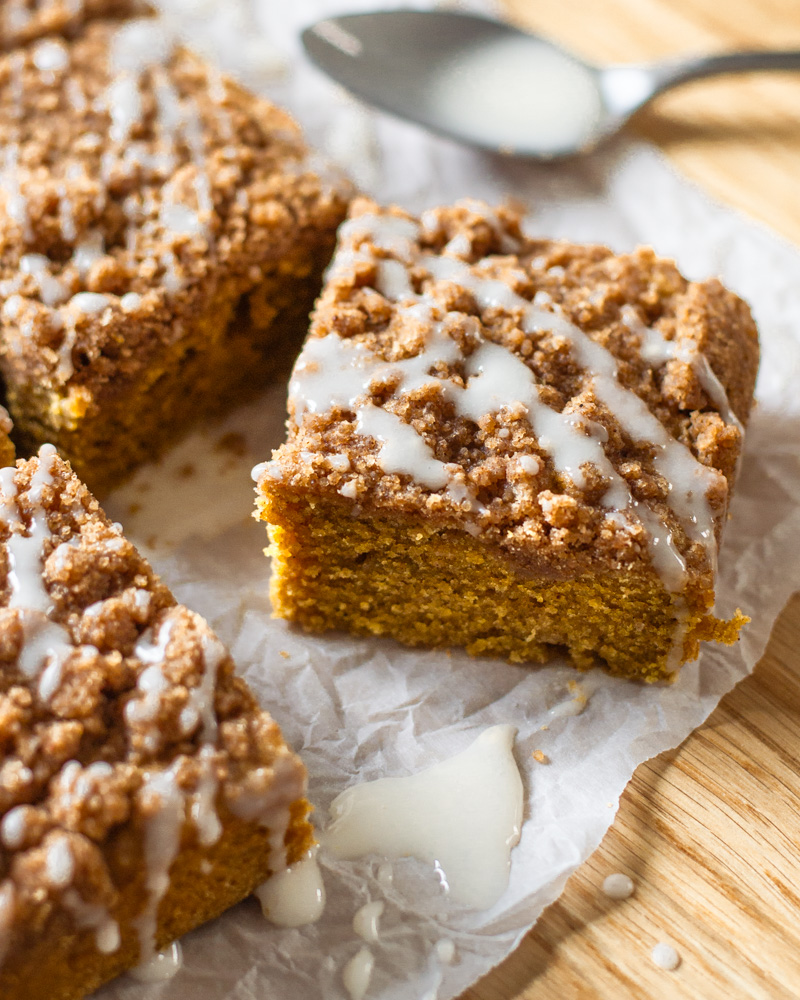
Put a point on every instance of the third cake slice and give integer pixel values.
(515, 445)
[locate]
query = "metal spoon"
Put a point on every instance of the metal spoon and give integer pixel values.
(491, 85)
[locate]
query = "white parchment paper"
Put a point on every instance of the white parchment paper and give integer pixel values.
(358, 709)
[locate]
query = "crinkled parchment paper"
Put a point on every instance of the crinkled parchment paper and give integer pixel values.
(357, 709)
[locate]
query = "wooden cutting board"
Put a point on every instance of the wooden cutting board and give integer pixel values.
(710, 832)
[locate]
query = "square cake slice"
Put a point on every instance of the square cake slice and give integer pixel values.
(142, 789)
(514, 445)
(162, 238)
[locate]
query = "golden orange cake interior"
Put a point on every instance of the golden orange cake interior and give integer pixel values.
(142, 789)
(516, 445)
(7, 450)
(162, 237)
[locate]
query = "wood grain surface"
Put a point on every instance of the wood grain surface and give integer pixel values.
(710, 832)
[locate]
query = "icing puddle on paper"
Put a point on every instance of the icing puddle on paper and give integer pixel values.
(462, 816)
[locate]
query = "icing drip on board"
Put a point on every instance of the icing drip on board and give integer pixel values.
(337, 372)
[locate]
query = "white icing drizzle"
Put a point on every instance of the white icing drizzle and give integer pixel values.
(656, 349)
(12, 827)
(204, 809)
(16, 202)
(388, 232)
(163, 828)
(52, 291)
(357, 973)
(162, 965)
(161, 842)
(365, 921)
(295, 896)
(202, 696)
(125, 106)
(88, 251)
(339, 372)
(461, 816)
(402, 449)
(80, 305)
(95, 917)
(59, 863)
(75, 95)
(142, 46)
(270, 806)
(107, 937)
(89, 303)
(66, 211)
(130, 302)
(150, 650)
(46, 643)
(136, 46)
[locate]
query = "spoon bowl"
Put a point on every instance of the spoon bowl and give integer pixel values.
(488, 84)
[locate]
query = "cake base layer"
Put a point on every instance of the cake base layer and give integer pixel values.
(228, 356)
(64, 963)
(426, 584)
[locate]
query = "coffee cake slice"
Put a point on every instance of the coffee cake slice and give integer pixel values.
(162, 238)
(142, 789)
(515, 445)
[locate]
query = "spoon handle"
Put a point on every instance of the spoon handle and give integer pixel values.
(672, 74)
(627, 88)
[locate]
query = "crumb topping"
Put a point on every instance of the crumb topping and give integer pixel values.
(567, 402)
(25, 21)
(137, 181)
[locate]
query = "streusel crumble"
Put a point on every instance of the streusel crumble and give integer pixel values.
(516, 445)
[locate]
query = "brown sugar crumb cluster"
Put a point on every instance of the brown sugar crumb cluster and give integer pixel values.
(568, 411)
(25, 21)
(117, 705)
(203, 186)
(152, 212)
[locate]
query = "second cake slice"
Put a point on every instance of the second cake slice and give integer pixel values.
(518, 446)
